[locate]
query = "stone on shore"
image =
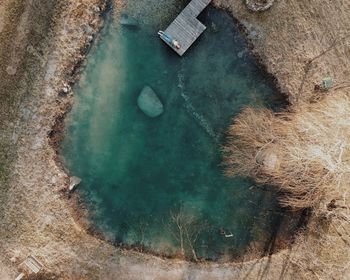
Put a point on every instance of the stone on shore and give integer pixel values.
(149, 103)
(73, 183)
(259, 5)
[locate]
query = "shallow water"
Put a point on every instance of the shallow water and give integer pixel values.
(152, 182)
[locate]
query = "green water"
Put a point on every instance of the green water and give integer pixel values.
(150, 182)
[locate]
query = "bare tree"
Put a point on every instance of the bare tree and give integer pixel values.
(186, 229)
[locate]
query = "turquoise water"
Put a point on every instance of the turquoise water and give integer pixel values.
(156, 183)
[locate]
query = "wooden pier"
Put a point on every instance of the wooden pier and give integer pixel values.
(186, 28)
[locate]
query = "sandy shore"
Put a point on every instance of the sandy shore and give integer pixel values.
(37, 219)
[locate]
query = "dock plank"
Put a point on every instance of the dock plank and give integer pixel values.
(186, 28)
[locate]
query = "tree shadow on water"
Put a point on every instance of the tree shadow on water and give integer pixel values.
(271, 246)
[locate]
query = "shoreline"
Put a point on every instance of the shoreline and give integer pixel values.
(270, 77)
(80, 209)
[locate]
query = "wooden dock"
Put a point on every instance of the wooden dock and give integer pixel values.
(186, 28)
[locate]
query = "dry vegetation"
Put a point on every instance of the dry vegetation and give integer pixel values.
(291, 34)
(305, 155)
(21, 50)
(304, 152)
(185, 228)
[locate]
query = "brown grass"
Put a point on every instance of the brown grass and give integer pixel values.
(305, 153)
(27, 24)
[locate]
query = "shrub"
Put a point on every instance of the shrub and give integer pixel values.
(304, 153)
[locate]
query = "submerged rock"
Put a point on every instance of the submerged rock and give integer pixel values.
(128, 21)
(149, 103)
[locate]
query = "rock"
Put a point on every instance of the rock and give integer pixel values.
(66, 88)
(11, 70)
(327, 84)
(15, 136)
(259, 5)
(128, 21)
(96, 9)
(149, 103)
(268, 159)
(73, 183)
(88, 29)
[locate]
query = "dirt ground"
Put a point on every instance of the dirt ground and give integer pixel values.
(38, 59)
(301, 43)
(291, 34)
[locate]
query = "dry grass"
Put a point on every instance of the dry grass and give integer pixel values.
(304, 152)
(26, 26)
(305, 155)
(291, 34)
(323, 253)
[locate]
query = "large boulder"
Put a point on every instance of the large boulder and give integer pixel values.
(149, 103)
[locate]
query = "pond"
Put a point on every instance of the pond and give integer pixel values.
(156, 183)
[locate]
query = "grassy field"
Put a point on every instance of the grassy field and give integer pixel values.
(25, 27)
